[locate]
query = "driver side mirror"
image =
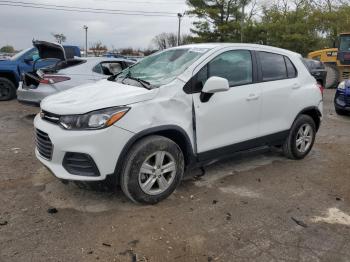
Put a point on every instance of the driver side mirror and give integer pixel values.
(213, 85)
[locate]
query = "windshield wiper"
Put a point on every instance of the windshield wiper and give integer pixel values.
(144, 83)
(113, 77)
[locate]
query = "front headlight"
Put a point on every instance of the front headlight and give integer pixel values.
(341, 85)
(93, 120)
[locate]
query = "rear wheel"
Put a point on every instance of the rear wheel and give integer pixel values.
(153, 169)
(7, 89)
(301, 138)
(332, 76)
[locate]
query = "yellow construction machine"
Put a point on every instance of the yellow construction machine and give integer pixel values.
(336, 60)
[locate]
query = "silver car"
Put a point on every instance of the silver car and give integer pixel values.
(66, 74)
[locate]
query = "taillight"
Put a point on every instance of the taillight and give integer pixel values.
(53, 79)
(320, 87)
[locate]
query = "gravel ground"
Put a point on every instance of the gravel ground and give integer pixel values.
(260, 207)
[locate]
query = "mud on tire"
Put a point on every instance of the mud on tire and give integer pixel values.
(133, 179)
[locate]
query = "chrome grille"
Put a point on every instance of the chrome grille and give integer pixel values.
(43, 144)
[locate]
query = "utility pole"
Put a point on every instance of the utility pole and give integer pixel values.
(86, 45)
(179, 15)
(242, 22)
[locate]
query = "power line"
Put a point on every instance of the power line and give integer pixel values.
(85, 11)
(83, 8)
(144, 2)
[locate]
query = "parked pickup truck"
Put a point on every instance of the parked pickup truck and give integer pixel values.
(23, 62)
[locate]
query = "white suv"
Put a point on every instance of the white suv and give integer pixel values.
(176, 109)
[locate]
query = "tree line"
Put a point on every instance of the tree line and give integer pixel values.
(298, 25)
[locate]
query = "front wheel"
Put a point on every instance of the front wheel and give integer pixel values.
(301, 138)
(153, 169)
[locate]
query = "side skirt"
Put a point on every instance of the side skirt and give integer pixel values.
(256, 143)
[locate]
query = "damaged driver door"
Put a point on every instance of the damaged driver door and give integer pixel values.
(228, 116)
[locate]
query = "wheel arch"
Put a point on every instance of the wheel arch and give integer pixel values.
(314, 113)
(172, 132)
(10, 76)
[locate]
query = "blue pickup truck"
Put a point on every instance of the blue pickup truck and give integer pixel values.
(27, 61)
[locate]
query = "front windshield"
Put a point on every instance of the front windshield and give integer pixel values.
(344, 43)
(163, 67)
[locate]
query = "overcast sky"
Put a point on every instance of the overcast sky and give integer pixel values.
(18, 25)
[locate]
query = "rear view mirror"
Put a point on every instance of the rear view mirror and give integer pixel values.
(215, 84)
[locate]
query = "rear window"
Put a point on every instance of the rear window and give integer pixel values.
(273, 66)
(64, 64)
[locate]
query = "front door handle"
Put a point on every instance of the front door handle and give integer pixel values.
(252, 97)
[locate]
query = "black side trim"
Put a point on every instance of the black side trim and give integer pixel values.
(205, 97)
(160, 130)
(223, 152)
(311, 108)
(314, 112)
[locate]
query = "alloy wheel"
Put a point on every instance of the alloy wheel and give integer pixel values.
(157, 173)
(304, 138)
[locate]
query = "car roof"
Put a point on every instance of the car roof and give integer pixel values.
(239, 45)
(102, 58)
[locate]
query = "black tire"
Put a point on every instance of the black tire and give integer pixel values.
(138, 154)
(341, 112)
(290, 149)
(332, 76)
(7, 89)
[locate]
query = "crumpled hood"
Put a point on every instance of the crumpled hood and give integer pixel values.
(99, 95)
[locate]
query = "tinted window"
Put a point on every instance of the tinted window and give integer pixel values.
(235, 66)
(273, 66)
(291, 71)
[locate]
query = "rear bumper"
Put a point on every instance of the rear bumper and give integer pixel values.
(33, 97)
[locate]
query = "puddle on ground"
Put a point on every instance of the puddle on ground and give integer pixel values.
(221, 170)
(334, 216)
(69, 196)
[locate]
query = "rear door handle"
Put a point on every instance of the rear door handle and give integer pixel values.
(296, 86)
(252, 97)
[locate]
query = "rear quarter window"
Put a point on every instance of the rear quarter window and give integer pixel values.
(291, 70)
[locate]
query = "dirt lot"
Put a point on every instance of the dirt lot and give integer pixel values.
(262, 207)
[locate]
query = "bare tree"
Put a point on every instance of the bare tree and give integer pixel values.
(161, 41)
(98, 48)
(166, 40)
(60, 38)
